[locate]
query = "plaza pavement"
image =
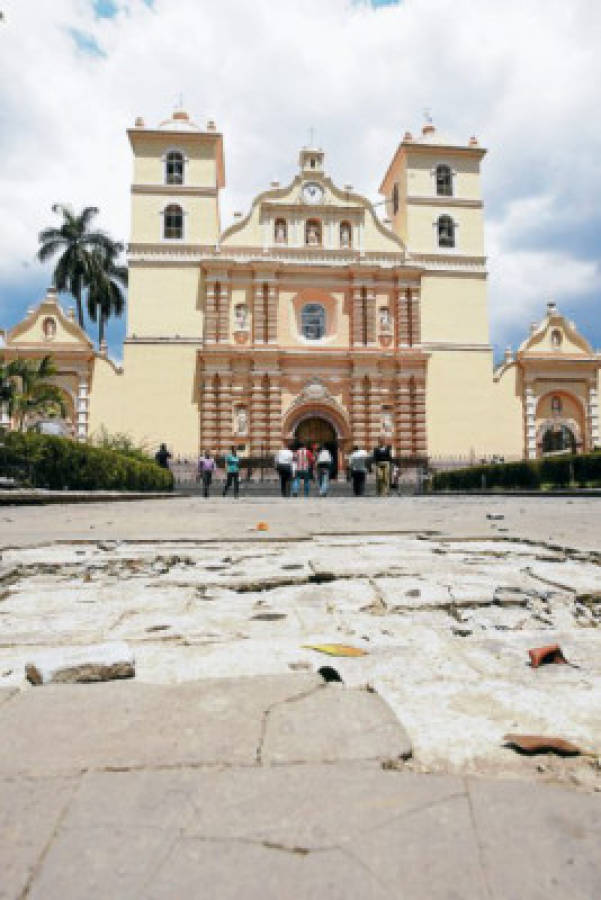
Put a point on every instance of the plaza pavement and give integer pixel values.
(277, 786)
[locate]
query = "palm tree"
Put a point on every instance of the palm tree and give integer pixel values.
(33, 392)
(105, 280)
(74, 241)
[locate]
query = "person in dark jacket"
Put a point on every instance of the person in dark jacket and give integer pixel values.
(162, 456)
(382, 460)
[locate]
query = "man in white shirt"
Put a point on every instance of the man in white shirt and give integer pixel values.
(358, 465)
(283, 464)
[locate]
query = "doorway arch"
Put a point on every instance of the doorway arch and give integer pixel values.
(319, 423)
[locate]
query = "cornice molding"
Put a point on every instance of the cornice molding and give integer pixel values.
(175, 190)
(426, 200)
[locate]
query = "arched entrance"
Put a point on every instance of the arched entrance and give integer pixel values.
(558, 439)
(315, 430)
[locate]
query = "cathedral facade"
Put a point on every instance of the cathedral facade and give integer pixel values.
(311, 317)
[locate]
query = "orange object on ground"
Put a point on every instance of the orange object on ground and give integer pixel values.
(540, 656)
(262, 526)
(336, 649)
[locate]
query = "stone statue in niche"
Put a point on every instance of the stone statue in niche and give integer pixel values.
(280, 232)
(241, 313)
(345, 235)
(313, 235)
(386, 423)
(241, 420)
(556, 337)
(49, 329)
(556, 405)
(385, 319)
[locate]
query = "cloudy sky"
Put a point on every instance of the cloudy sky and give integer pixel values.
(523, 75)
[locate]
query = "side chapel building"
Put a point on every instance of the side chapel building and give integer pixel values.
(312, 318)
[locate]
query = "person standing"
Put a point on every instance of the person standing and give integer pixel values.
(162, 457)
(232, 472)
(206, 467)
(382, 460)
(324, 466)
(283, 463)
(358, 466)
(304, 460)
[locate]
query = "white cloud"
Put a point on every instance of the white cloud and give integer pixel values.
(522, 74)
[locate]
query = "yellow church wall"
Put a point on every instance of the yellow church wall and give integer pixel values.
(465, 414)
(165, 301)
(200, 168)
(154, 401)
(423, 235)
(201, 221)
(454, 309)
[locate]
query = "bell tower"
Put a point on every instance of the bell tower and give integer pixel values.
(178, 172)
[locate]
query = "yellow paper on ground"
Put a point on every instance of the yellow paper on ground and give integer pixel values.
(336, 649)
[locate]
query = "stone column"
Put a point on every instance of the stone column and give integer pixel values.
(258, 416)
(272, 314)
(530, 420)
(209, 413)
(374, 410)
(275, 412)
(210, 313)
(82, 408)
(259, 322)
(358, 318)
(420, 437)
(358, 411)
(414, 316)
(223, 314)
(403, 319)
(403, 416)
(225, 413)
(593, 415)
(370, 317)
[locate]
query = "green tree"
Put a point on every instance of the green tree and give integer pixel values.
(8, 372)
(33, 392)
(105, 280)
(74, 241)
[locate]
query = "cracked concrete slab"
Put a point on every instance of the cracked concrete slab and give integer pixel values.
(333, 724)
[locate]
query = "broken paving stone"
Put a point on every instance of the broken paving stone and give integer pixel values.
(510, 596)
(269, 616)
(537, 743)
(74, 665)
(541, 656)
(107, 545)
(462, 630)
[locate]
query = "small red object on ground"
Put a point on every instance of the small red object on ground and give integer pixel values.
(540, 656)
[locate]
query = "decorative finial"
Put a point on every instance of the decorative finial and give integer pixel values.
(428, 115)
(311, 136)
(179, 101)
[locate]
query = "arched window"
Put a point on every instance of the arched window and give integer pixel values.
(346, 234)
(173, 222)
(446, 231)
(444, 181)
(313, 233)
(313, 321)
(174, 167)
(280, 231)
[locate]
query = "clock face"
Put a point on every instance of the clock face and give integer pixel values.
(312, 192)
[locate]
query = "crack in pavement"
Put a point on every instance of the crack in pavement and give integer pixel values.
(267, 713)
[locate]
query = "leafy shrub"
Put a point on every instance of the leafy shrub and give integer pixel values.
(58, 463)
(552, 472)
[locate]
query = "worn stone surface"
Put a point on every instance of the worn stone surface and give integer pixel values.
(333, 724)
(73, 665)
(284, 831)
